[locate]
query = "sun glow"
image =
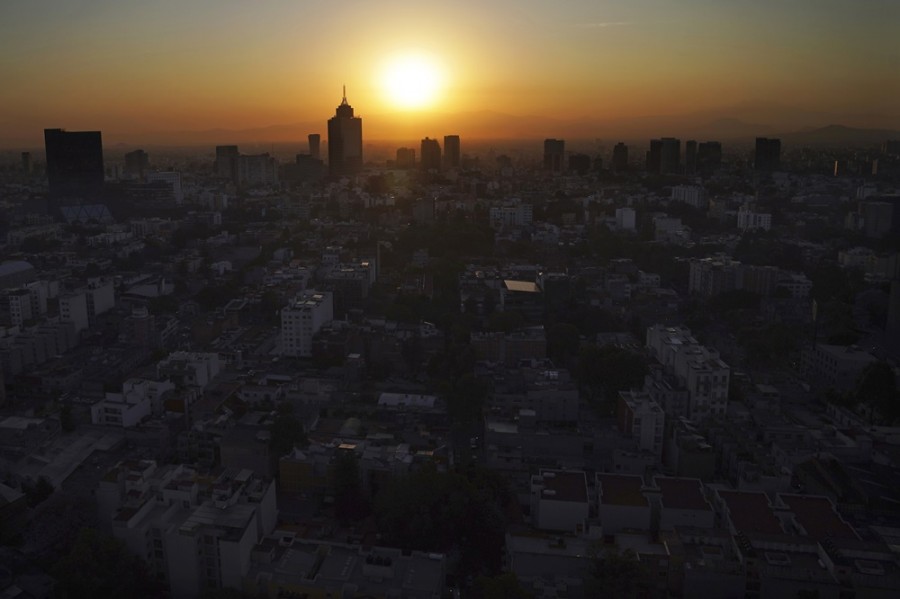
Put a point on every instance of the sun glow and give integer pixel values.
(411, 81)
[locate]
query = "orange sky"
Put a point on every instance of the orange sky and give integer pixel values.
(133, 67)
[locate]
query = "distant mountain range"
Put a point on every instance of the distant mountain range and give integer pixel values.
(735, 124)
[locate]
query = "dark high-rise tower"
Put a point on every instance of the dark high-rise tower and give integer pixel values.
(227, 162)
(451, 151)
(620, 157)
(654, 156)
(690, 157)
(137, 163)
(670, 156)
(554, 152)
(315, 146)
(431, 155)
(344, 140)
(74, 163)
(767, 156)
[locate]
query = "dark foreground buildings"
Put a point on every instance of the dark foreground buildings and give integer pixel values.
(74, 163)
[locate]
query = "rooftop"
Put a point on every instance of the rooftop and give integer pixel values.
(682, 493)
(565, 485)
(818, 518)
(750, 512)
(621, 489)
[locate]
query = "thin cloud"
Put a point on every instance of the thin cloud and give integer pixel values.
(602, 24)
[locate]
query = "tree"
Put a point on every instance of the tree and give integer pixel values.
(877, 388)
(65, 418)
(604, 371)
(286, 433)
(504, 586)
(101, 566)
(37, 492)
(614, 574)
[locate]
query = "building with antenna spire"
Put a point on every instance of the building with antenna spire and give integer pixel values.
(344, 140)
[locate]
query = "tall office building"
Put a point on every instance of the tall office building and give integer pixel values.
(554, 151)
(451, 151)
(690, 157)
(344, 140)
(137, 163)
(670, 156)
(430, 155)
(620, 157)
(74, 163)
(767, 156)
(226, 162)
(654, 156)
(315, 146)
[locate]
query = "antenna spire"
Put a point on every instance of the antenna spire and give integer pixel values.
(344, 101)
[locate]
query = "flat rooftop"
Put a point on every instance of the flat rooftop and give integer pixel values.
(621, 489)
(566, 485)
(751, 512)
(682, 493)
(818, 518)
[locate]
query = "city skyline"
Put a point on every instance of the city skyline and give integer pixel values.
(504, 70)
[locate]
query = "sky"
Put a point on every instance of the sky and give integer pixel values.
(139, 67)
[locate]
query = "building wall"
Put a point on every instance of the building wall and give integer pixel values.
(559, 515)
(672, 517)
(616, 518)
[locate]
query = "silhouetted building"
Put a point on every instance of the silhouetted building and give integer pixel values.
(74, 163)
(654, 156)
(554, 151)
(670, 155)
(620, 157)
(709, 156)
(406, 158)
(137, 163)
(431, 155)
(451, 151)
(226, 162)
(690, 157)
(257, 169)
(344, 140)
(580, 163)
(315, 146)
(767, 156)
(26, 162)
(891, 146)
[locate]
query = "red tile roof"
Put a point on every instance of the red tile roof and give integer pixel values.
(566, 485)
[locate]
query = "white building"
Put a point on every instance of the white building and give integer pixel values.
(625, 219)
(173, 179)
(514, 213)
(749, 220)
(194, 532)
(190, 369)
(692, 195)
(642, 420)
(697, 368)
(683, 503)
(621, 504)
(834, 366)
(73, 307)
(559, 500)
(302, 318)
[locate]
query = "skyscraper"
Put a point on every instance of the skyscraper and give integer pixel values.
(344, 140)
(137, 163)
(74, 163)
(431, 155)
(315, 146)
(670, 155)
(620, 157)
(654, 156)
(226, 162)
(451, 151)
(690, 157)
(554, 151)
(767, 156)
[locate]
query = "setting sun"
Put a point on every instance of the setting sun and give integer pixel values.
(411, 81)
